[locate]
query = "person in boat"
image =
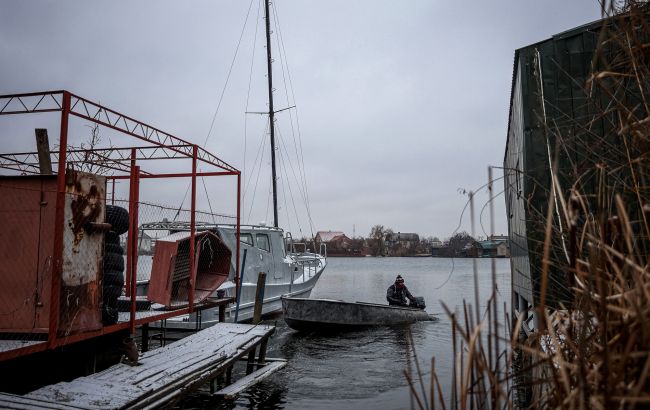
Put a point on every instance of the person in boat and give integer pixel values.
(398, 294)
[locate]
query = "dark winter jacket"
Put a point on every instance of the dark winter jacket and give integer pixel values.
(398, 296)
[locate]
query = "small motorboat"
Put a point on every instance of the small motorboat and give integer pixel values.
(337, 315)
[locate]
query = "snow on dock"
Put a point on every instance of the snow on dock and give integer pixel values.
(9, 345)
(162, 377)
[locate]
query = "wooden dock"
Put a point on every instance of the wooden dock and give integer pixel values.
(162, 376)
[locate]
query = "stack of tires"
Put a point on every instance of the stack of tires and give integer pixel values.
(113, 262)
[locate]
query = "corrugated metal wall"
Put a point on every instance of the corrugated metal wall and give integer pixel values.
(514, 182)
(551, 118)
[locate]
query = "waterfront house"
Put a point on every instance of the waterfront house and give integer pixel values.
(331, 237)
(408, 240)
(401, 244)
(337, 242)
(439, 249)
(494, 249)
(498, 238)
(471, 249)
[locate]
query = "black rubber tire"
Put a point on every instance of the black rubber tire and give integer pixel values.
(111, 237)
(109, 315)
(118, 217)
(113, 248)
(111, 293)
(113, 262)
(113, 278)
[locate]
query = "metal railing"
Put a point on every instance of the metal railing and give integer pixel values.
(72, 183)
(304, 258)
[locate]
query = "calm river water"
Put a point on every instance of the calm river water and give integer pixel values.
(364, 369)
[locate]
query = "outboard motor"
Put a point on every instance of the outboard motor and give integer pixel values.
(418, 303)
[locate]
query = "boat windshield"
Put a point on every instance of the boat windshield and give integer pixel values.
(246, 238)
(263, 242)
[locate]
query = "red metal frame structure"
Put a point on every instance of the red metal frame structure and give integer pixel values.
(124, 164)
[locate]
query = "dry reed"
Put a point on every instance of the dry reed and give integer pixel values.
(590, 349)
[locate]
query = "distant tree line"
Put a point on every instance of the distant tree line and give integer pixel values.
(384, 241)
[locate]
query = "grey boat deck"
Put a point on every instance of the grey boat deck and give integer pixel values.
(162, 377)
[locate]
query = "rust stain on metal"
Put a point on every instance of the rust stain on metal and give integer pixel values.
(86, 207)
(79, 307)
(80, 301)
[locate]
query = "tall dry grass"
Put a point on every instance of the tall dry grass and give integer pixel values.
(590, 350)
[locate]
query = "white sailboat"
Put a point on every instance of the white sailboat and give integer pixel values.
(292, 269)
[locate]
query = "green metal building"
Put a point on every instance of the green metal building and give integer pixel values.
(559, 119)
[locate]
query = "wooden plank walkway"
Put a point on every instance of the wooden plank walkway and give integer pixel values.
(271, 366)
(163, 376)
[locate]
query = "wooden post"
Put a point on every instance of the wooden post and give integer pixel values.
(198, 321)
(228, 375)
(145, 337)
(163, 333)
(257, 316)
(43, 148)
(261, 361)
(216, 383)
(251, 361)
(222, 313)
(259, 297)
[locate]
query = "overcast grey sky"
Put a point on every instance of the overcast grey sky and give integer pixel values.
(402, 105)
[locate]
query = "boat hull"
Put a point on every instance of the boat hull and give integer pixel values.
(287, 274)
(271, 305)
(335, 315)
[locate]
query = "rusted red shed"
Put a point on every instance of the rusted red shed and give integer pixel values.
(26, 248)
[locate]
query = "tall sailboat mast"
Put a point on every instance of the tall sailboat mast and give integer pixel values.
(271, 112)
